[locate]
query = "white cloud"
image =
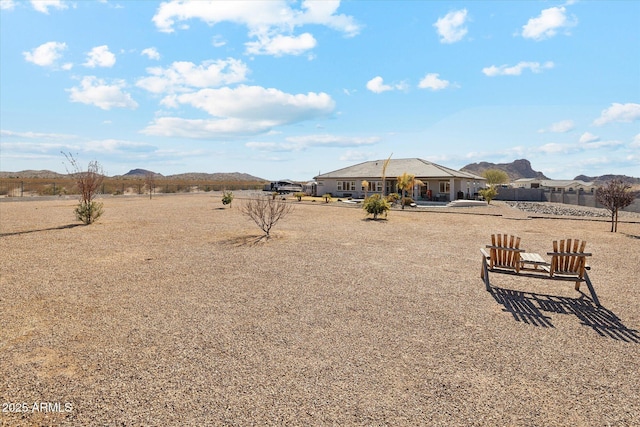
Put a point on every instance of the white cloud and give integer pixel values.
(377, 85)
(597, 144)
(7, 4)
(547, 24)
(326, 140)
(281, 45)
(433, 82)
(560, 127)
(95, 91)
(44, 5)
(356, 156)
(636, 142)
(625, 113)
(46, 54)
(67, 66)
(588, 137)
(35, 135)
(181, 76)
(218, 41)
(310, 141)
(555, 148)
(100, 56)
(116, 145)
(516, 70)
(271, 22)
(245, 110)
(451, 27)
(151, 53)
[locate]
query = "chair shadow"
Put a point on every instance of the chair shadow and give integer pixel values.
(62, 227)
(532, 308)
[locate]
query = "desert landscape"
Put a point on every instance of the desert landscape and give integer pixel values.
(172, 311)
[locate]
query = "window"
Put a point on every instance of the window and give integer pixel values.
(346, 186)
(444, 186)
(379, 186)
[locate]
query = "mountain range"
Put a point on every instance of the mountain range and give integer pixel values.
(517, 169)
(522, 169)
(141, 173)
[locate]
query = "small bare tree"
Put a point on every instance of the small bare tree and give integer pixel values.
(615, 195)
(88, 183)
(266, 212)
(150, 182)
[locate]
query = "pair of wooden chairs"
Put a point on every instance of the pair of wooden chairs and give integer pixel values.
(568, 261)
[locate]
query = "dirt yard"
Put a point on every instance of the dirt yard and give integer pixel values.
(167, 312)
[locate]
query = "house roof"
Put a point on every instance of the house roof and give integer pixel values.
(422, 169)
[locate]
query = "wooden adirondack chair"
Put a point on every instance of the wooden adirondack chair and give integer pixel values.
(504, 254)
(568, 260)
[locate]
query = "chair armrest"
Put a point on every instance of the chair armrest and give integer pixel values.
(569, 253)
(484, 253)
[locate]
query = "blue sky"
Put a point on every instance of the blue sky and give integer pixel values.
(287, 89)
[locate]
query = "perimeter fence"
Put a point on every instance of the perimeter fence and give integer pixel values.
(18, 187)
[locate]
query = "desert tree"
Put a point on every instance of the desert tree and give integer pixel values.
(494, 178)
(88, 183)
(406, 182)
(150, 182)
(365, 186)
(227, 198)
(266, 212)
(615, 195)
(376, 205)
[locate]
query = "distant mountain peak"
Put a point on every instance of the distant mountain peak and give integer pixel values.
(520, 168)
(139, 172)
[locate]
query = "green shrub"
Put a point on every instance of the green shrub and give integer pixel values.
(227, 198)
(408, 201)
(299, 196)
(376, 205)
(88, 211)
(392, 197)
(327, 197)
(488, 194)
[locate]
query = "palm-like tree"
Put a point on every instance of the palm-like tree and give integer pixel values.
(384, 175)
(407, 181)
(365, 185)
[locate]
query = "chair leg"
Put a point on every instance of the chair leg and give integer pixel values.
(577, 286)
(485, 274)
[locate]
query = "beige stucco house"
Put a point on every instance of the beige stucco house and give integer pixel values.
(555, 184)
(440, 183)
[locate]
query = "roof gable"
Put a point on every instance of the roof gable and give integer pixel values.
(422, 169)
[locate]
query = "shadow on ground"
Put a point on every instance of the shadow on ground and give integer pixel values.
(251, 240)
(534, 309)
(62, 227)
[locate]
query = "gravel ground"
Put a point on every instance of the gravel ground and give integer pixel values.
(170, 312)
(559, 209)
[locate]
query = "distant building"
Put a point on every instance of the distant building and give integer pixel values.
(283, 186)
(555, 184)
(440, 183)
